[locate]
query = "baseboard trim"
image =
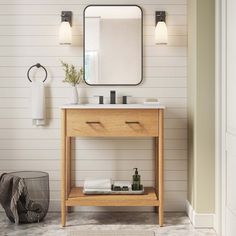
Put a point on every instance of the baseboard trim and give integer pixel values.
(199, 220)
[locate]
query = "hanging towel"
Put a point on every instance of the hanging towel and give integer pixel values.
(38, 103)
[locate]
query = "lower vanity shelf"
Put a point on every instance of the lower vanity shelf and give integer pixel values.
(77, 198)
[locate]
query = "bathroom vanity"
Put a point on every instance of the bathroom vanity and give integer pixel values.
(116, 120)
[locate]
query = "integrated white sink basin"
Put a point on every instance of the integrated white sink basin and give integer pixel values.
(113, 106)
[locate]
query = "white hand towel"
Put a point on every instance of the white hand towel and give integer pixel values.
(97, 184)
(38, 103)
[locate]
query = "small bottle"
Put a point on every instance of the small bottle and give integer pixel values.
(136, 185)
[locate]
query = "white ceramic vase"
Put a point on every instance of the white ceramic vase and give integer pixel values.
(74, 95)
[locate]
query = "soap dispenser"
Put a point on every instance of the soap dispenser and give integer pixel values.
(136, 185)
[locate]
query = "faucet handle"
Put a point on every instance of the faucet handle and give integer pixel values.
(112, 97)
(124, 99)
(100, 98)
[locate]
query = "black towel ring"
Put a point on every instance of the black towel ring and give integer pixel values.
(38, 65)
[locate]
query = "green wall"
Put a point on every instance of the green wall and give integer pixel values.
(201, 93)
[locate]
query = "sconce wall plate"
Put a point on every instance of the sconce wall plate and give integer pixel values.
(66, 16)
(160, 16)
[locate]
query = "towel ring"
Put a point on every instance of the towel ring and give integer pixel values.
(38, 65)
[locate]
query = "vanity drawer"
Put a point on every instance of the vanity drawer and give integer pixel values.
(112, 122)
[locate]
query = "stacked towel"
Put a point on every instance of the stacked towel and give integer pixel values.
(97, 185)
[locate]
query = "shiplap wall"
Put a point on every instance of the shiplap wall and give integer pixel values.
(29, 34)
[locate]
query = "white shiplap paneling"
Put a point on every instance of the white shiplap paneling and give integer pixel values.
(28, 34)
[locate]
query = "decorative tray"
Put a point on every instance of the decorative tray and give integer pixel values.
(129, 192)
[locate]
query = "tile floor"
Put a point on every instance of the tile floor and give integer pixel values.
(176, 224)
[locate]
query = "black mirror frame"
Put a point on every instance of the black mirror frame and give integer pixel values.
(121, 5)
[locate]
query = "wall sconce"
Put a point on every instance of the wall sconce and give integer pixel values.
(65, 35)
(161, 33)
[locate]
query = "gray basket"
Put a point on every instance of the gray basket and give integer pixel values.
(37, 183)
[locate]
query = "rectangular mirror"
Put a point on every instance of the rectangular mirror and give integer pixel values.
(113, 45)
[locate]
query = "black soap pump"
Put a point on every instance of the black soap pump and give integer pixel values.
(136, 185)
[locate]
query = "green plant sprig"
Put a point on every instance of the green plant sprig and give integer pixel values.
(72, 75)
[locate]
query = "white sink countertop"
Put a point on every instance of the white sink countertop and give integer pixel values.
(112, 106)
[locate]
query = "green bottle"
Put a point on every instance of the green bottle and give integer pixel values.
(136, 185)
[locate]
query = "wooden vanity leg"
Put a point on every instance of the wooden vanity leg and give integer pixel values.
(63, 168)
(161, 166)
(68, 169)
(156, 170)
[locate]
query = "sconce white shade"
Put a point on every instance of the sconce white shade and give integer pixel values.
(65, 33)
(161, 33)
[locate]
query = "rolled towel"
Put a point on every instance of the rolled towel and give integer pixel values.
(38, 103)
(97, 184)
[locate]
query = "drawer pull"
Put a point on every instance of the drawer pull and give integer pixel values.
(93, 122)
(132, 122)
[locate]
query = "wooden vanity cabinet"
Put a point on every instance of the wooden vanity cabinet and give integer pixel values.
(93, 122)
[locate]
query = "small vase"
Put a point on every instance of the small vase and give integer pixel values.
(74, 95)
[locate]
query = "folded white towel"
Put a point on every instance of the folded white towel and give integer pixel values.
(38, 103)
(97, 184)
(97, 190)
